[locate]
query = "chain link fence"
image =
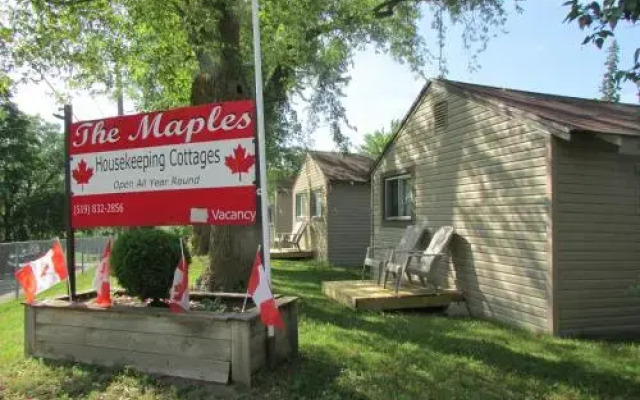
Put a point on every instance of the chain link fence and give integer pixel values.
(12, 254)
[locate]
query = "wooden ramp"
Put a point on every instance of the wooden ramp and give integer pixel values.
(290, 254)
(368, 295)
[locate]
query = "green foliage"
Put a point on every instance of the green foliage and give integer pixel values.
(375, 143)
(214, 305)
(601, 19)
(155, 49)
(5, 85)
(181, 231)
(31, 176)
(610, 87)
(144, 261)
(285, 169)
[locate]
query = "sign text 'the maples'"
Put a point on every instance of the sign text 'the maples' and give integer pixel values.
(174, 167)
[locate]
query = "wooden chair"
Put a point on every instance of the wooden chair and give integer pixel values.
(377, 257)
(420, 263)
(293, 238)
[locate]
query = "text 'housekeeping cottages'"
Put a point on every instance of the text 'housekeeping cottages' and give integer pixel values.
(544, 195)
(332, 192)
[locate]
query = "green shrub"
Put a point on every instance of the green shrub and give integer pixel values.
(144, 261)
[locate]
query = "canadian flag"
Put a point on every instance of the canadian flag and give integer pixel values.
(260, 292)
(179, 294)
(102, 282)
(39, 275)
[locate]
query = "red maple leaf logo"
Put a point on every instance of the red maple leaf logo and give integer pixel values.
(82, 174)
(178, 291)
(45, 270)
(239, 162)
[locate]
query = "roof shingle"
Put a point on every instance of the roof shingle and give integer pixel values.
(573, 113)
(343, 167)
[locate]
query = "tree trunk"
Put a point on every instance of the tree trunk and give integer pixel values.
(221, 78)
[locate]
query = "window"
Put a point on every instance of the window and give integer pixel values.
(301, 205)
(397, 197)
(317, 203)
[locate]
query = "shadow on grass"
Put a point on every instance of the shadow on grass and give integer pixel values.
(62, 379)
(540, 362)
(81, 381)
(315, 374)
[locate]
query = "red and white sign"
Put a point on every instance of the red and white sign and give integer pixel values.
(192, 165)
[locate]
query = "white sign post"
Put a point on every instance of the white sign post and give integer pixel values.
(264, 205)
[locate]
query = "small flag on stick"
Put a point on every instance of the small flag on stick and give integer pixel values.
(39, 275)
(179, 294)
(102, 282)
(262, 296)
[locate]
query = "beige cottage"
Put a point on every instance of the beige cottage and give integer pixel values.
(332, 192)
(544, 194)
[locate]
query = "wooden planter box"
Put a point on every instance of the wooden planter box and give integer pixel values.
(216, 347)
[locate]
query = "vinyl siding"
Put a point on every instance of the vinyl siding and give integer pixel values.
(349, 218)
(597, 237)
(310, 178)
(486, 175)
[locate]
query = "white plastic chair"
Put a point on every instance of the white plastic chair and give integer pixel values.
(420, 263)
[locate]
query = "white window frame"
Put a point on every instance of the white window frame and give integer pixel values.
(407, 178)
(315, 194)
(301, 211)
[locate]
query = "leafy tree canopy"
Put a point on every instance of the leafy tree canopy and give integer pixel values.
(376, 141)
(31, 176)
(600, 19)
(155, 49)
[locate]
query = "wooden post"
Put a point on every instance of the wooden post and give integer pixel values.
(241, 352)
(292, 328)
(71, 248)
(29, 330)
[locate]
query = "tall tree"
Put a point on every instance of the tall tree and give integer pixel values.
(376, 141)
(610, 87)
(193, 51)
(17, 148)
(31, 176)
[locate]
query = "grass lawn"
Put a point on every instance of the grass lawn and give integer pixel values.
(346, 354)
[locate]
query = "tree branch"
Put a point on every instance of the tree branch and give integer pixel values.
(65, 3)
(386, 9)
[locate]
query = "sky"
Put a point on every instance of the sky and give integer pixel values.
(537, 53)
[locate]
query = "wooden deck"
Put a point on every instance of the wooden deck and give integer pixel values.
(291, 254)
(368, 295)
